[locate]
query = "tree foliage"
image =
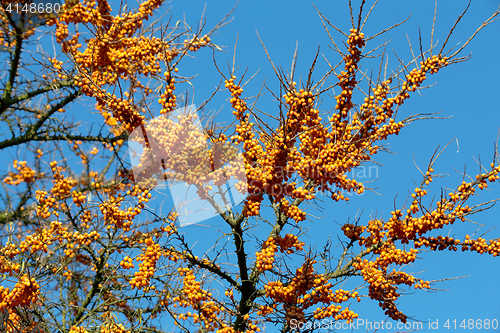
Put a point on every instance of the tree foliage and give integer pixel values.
(82, 252)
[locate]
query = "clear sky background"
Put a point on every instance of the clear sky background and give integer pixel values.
(467, 92)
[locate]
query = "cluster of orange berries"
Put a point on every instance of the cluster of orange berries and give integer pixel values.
(146, 9)
(173, 256)
(105, 60)
(3, 35)
(75, 147)
(193, 295)
(42, 239)
(265, 310)
(168, 100)
(196, 43)
(352, 231)
(388, 129)
(113, 328)
(139, 54)
(349, 184)
(294, 212)
(77, 329)
(123, 111)
(479, 245)
(252, 205)
(102, 78)
(415, 78)
(57, 65)
(491, 177)
(56, 232)
(438, 243)
(304, 122)
(62, 185)
(118, 58)
(150, 256)
(78, 198)
(14, 323)
(189, 165)
(398, 277)
(6, 265)
(68, 274)
(381, 287)
(70, 46)
(74, 240)
(303, 280)
(337, 195)
(126, 263)
(294, 312)
(375, 229)
(347, 80)
(244, 129)
(336, 312)
(24, 293)
(322, 293)
(328, 155)
(373, 114)
(117, 218)
(389, 254)
(45, 204)
(384, 111)
(302, 193)
(446, 211)
(86, 217)
(414, 207)
(289, 242)
(239, 105)
(229, 293)
(62, 31)
(342, 296)
(253, 151)
(371, 103)
(265, 257)
(113, 53)
(301, 112)
(24, 174)
(431, 65)
(296, 299)
(422, 284)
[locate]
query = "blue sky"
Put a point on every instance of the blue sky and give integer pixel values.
(466, 92)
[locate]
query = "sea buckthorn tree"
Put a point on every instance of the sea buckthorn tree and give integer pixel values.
(81, 250)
